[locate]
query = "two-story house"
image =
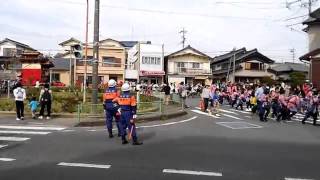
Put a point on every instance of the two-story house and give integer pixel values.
(188, 65)
(112, 59)
(10, 51)
(313, 56)
(250, 66)
(145, 63)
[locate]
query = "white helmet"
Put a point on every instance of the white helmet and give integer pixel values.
(125, 87)
(112, 83)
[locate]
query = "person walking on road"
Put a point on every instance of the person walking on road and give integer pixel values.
(110, 108)
(205, 95)
(183, 93)
(167, 93)
(128, 111)
(19, 96)
(45, 101)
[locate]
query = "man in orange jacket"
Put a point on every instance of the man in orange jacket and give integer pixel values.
(128, 109)
(111, 109)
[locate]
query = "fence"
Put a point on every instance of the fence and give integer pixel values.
(96, 111)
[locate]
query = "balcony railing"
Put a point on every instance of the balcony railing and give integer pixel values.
(192, 71)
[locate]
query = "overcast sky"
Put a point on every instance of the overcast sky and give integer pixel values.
(213, 26)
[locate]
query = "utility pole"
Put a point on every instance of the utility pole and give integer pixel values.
(86, 57)
(234, 65)
(308, 4)
(292, 51)
(95, 63)
(183, 32)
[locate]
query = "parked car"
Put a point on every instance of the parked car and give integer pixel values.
(58, 84)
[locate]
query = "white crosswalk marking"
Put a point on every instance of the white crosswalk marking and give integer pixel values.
(230, 116)
(226, 111)
(48, 128)
(244, 112)
(25, 132)
(4, 145)
(203, 113)
(6, 159)
(5, 138)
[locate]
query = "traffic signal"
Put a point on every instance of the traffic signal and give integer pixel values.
(77, 51)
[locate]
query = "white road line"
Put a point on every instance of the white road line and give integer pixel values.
(244, 112)
(36, 123)
(4, 138)
(68, 130)
(168, 124)
(253, 126)
(25, 132)
(33, 128)
(6, 159)
(197, 173)
(296, 179)
(230, 112)
(227, 115)
(2, 146)
(85, 165)
(92, 130)
(248, 116)
(204, 113)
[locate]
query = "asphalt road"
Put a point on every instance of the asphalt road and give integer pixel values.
(197, 146)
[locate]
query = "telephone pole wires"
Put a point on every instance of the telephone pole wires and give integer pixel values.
(183, 32)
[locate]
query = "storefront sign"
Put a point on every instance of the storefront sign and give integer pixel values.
(152, 73)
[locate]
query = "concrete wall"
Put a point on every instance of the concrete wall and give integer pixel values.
(314, 37)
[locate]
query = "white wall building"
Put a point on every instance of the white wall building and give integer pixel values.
(145, 63)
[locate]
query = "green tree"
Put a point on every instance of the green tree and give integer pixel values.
(267, 80)
(297, 78)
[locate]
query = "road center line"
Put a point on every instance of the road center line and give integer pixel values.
(197, 173)
(5, 138)
(6, 159)
(100, 166)
(25, 132)
(33, 128)
(226, 111)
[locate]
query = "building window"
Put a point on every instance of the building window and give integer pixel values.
(89, 80)
(255, 66)
(55, 77)
(247, 66)
(181, 64)
(9, 51)
(196, 65)
(111, 61)
(151, 60)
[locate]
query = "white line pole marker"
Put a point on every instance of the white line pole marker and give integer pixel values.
(6, 159)
(25, 132)
(197, 173)
(296, 179)
(33, 128)
(168, 124)
(2, 146)
(5, 138)
(85, 165)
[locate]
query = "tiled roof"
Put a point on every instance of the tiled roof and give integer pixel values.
(17, 43)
